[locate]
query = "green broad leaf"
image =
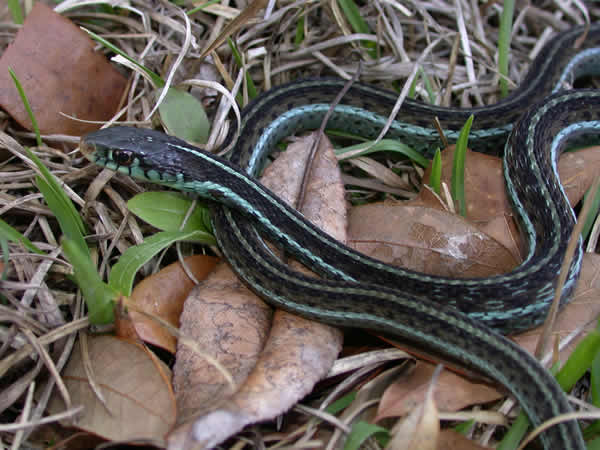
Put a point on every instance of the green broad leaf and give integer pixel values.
(435, 177)
(579, 360)
(360, 432)
(385, 145)
(458, 168)
(341, 403)
(99, 297)
(157, 80)
(123, 272)
(10, 234)
(183, 116)
(68, 218)
(167, 211)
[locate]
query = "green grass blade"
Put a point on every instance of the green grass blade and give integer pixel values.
(504, 37)
(5, 255)
(360, 432)
(464, 427)
(358, 24)
(435, 177)
(299, 37)
(252, 91)
(385, 145)
(412, 90)
(123, 272)
(515, 433)
(34, 124)
(428, 87)
(593, 445)
(579, 360)
(98, 296)
(591, 217)
(68, 218)
(157, 80)
(594, 429)
(10, 234)
(458, 168)
(595, 383)
(68, 222)
(341, 403)
(15, 11)
(202, 6)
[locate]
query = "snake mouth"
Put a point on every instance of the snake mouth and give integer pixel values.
(87, 149)
(92, 151)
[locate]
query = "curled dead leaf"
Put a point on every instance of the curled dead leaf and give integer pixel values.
(60, 71)
(162, 294)
(135, 384)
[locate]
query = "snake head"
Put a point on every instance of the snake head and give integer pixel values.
(146, 154)
(154, 156)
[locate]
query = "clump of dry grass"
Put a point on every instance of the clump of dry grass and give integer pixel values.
(454, 43)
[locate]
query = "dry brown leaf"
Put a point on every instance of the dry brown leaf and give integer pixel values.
(298, 353)
(231, 324)
(56, 63)
(583, 309)
(135, 385)
(452, 392)
(487, 202)
(426, 240)
(444, 244)
(485, 190)
(241, 19)
(373, 388)
(162, 295)
(577, 171)
(421, 428)
(427, 197)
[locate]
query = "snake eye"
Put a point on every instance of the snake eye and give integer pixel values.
(123, 157)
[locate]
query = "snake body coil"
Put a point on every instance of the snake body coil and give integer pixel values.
(448, 316)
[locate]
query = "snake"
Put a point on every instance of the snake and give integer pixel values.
(463, 320)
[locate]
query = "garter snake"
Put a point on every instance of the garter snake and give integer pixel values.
(451, 317)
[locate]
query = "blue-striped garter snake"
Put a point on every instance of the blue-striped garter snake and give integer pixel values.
(448, 316)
